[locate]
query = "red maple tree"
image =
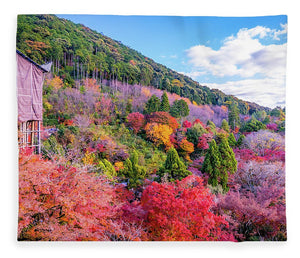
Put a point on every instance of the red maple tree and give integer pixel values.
(180, 211)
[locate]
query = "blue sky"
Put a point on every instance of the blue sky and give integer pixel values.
(243, 56)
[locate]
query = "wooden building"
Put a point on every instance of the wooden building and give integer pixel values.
(30, 79)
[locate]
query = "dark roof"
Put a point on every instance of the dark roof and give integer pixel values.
(45, 67)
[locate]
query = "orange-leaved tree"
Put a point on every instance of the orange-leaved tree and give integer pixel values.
(185, 148)
(162, 117)
(159, 134)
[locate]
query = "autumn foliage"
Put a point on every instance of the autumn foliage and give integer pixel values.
(162, 117)
(159, 134)
(91, 84)
(136, 121)
(64, 203)
(186, 148)
(187, 124)
(256, 205)
(56, 82)
(180, 211)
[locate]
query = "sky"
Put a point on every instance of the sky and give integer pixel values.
(242, 56)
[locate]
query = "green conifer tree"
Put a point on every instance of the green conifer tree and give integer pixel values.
(152, 105)
(134, 172)
(138, 172)
(233, 116)
(110, 170)
(164, 105)
(231, 140)
(174, 168)
(179, 109)
(228, 162)
(218, 162)
(225, 125)
(211, 124)
(212, 164)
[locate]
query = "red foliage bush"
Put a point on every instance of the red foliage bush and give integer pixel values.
(269, 155)
(63, 203)
(203, 142)
(244, 154)
(173, 140)
(273, 155)
(180, 211)
(187, 124)
(136, 121)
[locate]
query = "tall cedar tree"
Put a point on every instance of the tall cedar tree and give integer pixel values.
(225, 125)
(174, 168)
(211, 124)
(233, 116)
(152, 105)
(228, 162)
(212, 164)
(231, 140)
(164, 105)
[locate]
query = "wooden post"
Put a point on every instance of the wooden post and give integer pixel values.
(39, 137)
(26, 134)
(32, 133)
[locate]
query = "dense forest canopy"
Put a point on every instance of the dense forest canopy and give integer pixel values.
(78, 52)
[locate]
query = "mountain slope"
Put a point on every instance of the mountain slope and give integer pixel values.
(78, 52)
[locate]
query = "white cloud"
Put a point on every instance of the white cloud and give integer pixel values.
(268, 92)
(257, 31)
(245, 56)
(241, 55)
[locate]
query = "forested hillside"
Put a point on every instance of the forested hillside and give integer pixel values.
(125, 161)
(78, 52)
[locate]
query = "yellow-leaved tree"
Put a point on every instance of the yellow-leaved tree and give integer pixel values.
(159, 134)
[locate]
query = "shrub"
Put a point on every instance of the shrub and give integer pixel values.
(180, 211)
(136, 121)
(63, 203)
